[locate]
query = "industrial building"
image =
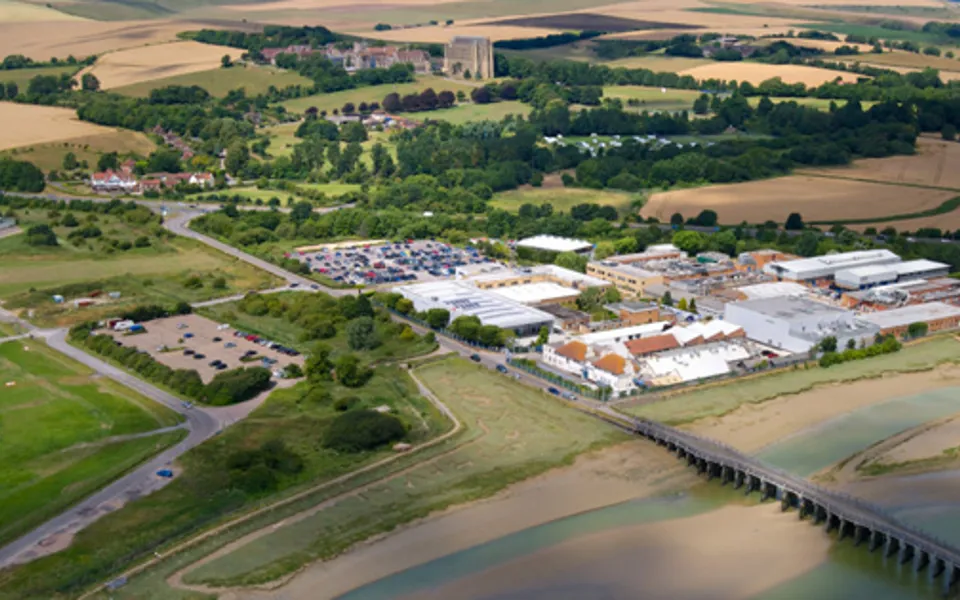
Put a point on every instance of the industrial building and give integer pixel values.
(692, 364)
(938, 316)
(630, 279)
(638, 313)
(904, 293)
(552, 243)
(825, 267)
(461, 299)
(861, 278)
(796, 324)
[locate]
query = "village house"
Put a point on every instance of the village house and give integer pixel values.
(121, 180)
(360, 56)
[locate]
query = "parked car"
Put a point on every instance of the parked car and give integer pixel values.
(187, 335)
(199, 356)
(167, 473)
(229, 345)
(501, 368)
(475, 357)
(217, 339)
(553, 391)
(188, 352)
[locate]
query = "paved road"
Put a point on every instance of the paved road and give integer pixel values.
(200, 424)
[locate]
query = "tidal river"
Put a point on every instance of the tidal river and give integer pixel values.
(708, 543)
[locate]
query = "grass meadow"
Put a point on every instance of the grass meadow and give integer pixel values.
(22, 77)
(203, 493)
(562, 199)
(462, 113)
(56, 423)
(721, 398)
(253, 79)
(523, 433)
(155, 274)
(49, 156)
(653, 98)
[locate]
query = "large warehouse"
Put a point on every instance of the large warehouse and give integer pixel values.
(463, 299)
(796, 324)
(552, 243)
(861, 278)
(937, 315)
(826, 267)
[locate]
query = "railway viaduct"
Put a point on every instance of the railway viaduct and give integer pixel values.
(851, 517)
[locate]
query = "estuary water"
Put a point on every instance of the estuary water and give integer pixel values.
(583, 557)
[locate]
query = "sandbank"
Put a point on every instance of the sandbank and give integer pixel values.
(624, 472)
(733, 552)
(751, 427)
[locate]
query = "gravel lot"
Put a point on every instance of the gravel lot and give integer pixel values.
(168, 332)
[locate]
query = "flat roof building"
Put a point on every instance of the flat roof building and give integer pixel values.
(773, 289)
(536, 293)
(937, 315)
(860, 278)
(797, 324)
(462, 299)
(825, 267)
(629, 278)
(552, 243)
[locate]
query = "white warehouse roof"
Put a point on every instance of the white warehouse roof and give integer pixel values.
(462, 299)
(773, 289)
(919, 266)
(826, 266)
(916, 313)
(553, 243)
(624, 333)
(534, 293)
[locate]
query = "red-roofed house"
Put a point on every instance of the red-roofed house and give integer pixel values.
(652, 344)
(114, 181)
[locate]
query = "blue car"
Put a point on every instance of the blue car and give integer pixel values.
(501, 368)
(553, 391)
(165, 473)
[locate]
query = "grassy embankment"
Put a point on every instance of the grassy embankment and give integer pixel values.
(718, 399)
(164, 272)
(207, 492)
(562, 199)
(57, 423)
(253, 79)
(515, 433)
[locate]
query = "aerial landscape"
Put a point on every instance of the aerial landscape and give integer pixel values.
(579, 299)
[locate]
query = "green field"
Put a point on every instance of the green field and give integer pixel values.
(22, 77)
(562, 199)
(375, 93)
(876, 31)
(204, 492)
(525, 432)
(463, 113)
(155, 274)
(653, 98)
(253, 79)
(716, 400)
(287, 333)
(57, 422)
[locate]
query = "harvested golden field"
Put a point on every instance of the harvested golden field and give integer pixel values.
(946, 222)
(328, 4)
(816, 198)
(440, 34)
(126, 67)
(25, 125)
(83, 38)
(659, 62)
(758, 72)
(12, 11)
(678, 12)
(934, 165)
(826, 45)
(909, 60)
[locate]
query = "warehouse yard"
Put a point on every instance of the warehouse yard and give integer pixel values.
(193, 342)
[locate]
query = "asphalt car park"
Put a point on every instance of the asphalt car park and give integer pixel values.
(412, 260)
(195, 342)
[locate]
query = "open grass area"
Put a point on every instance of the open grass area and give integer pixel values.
(158, 273)
(523, 432)
(56, 422)
(653, 98)
(716, 400)
(281, 330)
(22, 77)
(562, 199)
(374, 93)
(876, 31)
(253, 79)
(49, 156)
(207, 491)
(464, 113)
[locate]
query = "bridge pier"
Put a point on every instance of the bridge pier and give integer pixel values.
(860, 533)
(829, 522)
(920, 560)
(892, 546)
(727, 475)
(818, 513)
(906, 553)
(767, 490)
(875, 539)
(949, 578)
(938, 565)
(701, 465)
(738, 478)
(845, 527)
(691, 459)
